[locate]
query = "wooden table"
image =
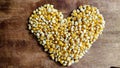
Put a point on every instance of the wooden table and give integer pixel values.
(19, 49)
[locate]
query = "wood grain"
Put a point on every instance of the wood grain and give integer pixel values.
(19, 49)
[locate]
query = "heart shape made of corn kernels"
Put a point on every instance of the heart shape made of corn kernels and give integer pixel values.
(66, 39)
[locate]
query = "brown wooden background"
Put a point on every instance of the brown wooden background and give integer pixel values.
(19, 49)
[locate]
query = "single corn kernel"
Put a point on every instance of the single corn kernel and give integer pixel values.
(50, 50)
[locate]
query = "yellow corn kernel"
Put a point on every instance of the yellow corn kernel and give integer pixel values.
(78, 16)
(61, 61)
(48, 46)
(70, 62)
(87, 11)
(75, 14)
(64, 45)
(52, 56)
(60, 43)
(56, 20)
(68, 58)
(73, 35)
(35, 16)
(50, 50)
(53, 14)
(71, 41)
(34, 29)
(55, 28)
(88, 8)
(47, 42)
(59, 53)
(48, 17)
(74, 18)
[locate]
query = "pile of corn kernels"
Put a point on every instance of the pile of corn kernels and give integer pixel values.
(66, 39)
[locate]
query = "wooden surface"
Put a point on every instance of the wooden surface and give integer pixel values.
(19, 49)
